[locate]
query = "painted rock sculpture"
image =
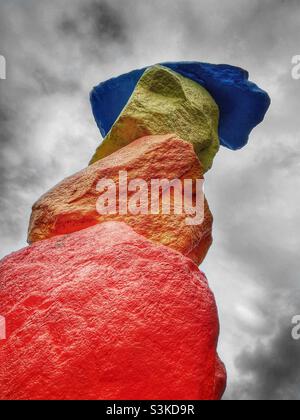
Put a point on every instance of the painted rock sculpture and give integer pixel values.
(111, 305)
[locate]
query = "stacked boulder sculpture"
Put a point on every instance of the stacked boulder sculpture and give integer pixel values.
(107, 302)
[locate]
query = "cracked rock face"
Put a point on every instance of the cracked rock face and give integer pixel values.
(71, 205)
(106, 314)
(165, 102)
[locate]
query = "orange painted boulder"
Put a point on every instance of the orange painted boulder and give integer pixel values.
(106, 314)
(72, 205)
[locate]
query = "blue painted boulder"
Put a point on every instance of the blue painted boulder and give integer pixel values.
(242, 104)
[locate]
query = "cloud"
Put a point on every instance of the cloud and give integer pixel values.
(271, 371)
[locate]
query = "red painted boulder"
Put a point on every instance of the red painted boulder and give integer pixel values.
(106, 314)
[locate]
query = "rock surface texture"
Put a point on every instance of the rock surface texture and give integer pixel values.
(165, 102)
(71, 206)
(106, 314)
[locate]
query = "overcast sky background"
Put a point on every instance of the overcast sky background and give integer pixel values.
(58, 50)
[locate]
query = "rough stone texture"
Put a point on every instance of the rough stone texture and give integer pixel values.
(71, 205)
(242, 104)
(165, 102)
(106, 314)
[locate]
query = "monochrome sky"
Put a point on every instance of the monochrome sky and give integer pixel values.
(58, 50)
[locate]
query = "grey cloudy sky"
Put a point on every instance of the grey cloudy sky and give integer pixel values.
(57, 51)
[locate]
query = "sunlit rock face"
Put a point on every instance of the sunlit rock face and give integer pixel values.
(165, 102)
(72, 205)
(106, 314)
